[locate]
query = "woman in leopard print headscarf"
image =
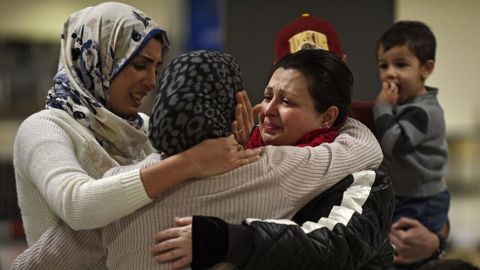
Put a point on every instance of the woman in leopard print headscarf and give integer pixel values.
(195, 102)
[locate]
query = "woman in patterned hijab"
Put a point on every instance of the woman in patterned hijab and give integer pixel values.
(108, 62)
(97, 43)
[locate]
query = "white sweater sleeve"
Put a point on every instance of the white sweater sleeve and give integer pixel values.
(45, 156)
(151, 160)
(62, 248)
(305, 172)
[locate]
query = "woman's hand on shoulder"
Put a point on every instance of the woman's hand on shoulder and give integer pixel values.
(217, 156)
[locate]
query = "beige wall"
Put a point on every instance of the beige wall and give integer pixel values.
(456, 25)
(42, 20)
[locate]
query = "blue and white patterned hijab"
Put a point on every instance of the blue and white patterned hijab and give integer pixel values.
(96, 44)
(195, 101)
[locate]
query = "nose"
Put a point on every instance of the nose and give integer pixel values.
(390, 72)
(150, 79)
(270, 108)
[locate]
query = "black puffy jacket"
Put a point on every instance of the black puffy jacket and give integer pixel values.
(345, 227)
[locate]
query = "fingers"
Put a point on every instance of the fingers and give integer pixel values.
(257, 111)
(405, 223)
(181, 263)
(244, 121)
(397, 236)
(385, 86)
(166, 250)
(399, 259)
(242, 99)
(393, 87)
(248, 156)
(166, 234)
(183, 221)
(180, 257)
(174, 245)
(234, 130)
(240, 116)
(241, 128)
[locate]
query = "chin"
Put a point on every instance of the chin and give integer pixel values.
(129, 115)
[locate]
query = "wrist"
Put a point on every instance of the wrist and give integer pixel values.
(189, 161)
(166, 174)
(442, 246)
(209, 241)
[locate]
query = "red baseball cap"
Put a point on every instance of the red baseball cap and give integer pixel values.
(307, 32)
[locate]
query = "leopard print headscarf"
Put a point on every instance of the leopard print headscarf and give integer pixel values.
(196, 100)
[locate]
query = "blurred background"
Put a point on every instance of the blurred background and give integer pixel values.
(29, 48)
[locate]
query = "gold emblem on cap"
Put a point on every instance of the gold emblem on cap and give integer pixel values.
(308, 40)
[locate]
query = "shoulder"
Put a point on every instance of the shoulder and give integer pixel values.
(50, 115)
(48, 126)
(34, 121)
(45, 120)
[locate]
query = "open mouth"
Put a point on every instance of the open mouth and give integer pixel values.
(137, 98)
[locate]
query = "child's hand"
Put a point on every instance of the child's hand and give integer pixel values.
(175, 244)
(389, 93)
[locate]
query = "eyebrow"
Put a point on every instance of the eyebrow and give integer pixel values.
(148, 58)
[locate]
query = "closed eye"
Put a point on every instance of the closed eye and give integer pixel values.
(287, 102)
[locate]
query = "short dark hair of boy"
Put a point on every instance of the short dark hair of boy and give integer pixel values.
(416, 35)
(329, 80)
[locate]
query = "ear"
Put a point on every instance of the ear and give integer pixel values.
(329, 117)
(427, 69)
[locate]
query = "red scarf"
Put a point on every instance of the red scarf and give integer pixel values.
(312, 138)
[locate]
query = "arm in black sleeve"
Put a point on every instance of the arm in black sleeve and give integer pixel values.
(332, 242)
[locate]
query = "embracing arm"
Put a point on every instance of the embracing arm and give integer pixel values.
(198, 161)
(349, 231)
(46, 159)
(352, 235)
(316, 169)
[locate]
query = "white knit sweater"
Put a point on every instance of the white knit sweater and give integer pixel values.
(276, 186)
(59, 168)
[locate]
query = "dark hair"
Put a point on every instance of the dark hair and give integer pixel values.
(329, 80)
(416, 35)
(448, 264)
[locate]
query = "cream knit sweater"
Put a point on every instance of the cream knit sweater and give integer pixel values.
(276, 186)
(59, 169)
